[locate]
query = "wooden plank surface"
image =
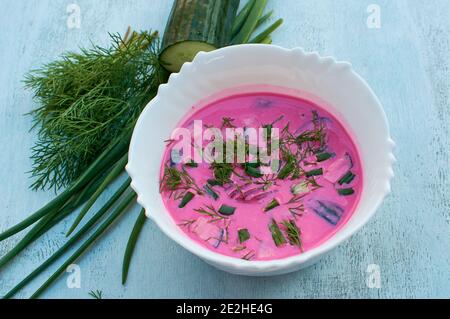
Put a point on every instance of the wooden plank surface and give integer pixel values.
(406, 61)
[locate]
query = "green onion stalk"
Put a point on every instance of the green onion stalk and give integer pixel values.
(84, 151)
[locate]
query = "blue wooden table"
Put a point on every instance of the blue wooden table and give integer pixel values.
(401, 47)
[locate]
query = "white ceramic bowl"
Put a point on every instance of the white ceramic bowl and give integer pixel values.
(308, 75)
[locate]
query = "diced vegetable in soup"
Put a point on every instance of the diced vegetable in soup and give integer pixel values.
(261, 176)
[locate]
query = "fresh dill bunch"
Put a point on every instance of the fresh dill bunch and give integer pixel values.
(88, 100)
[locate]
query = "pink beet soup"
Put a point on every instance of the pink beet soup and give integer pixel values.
(250, 209)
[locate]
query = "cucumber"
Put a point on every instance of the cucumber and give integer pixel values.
(194, 26)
